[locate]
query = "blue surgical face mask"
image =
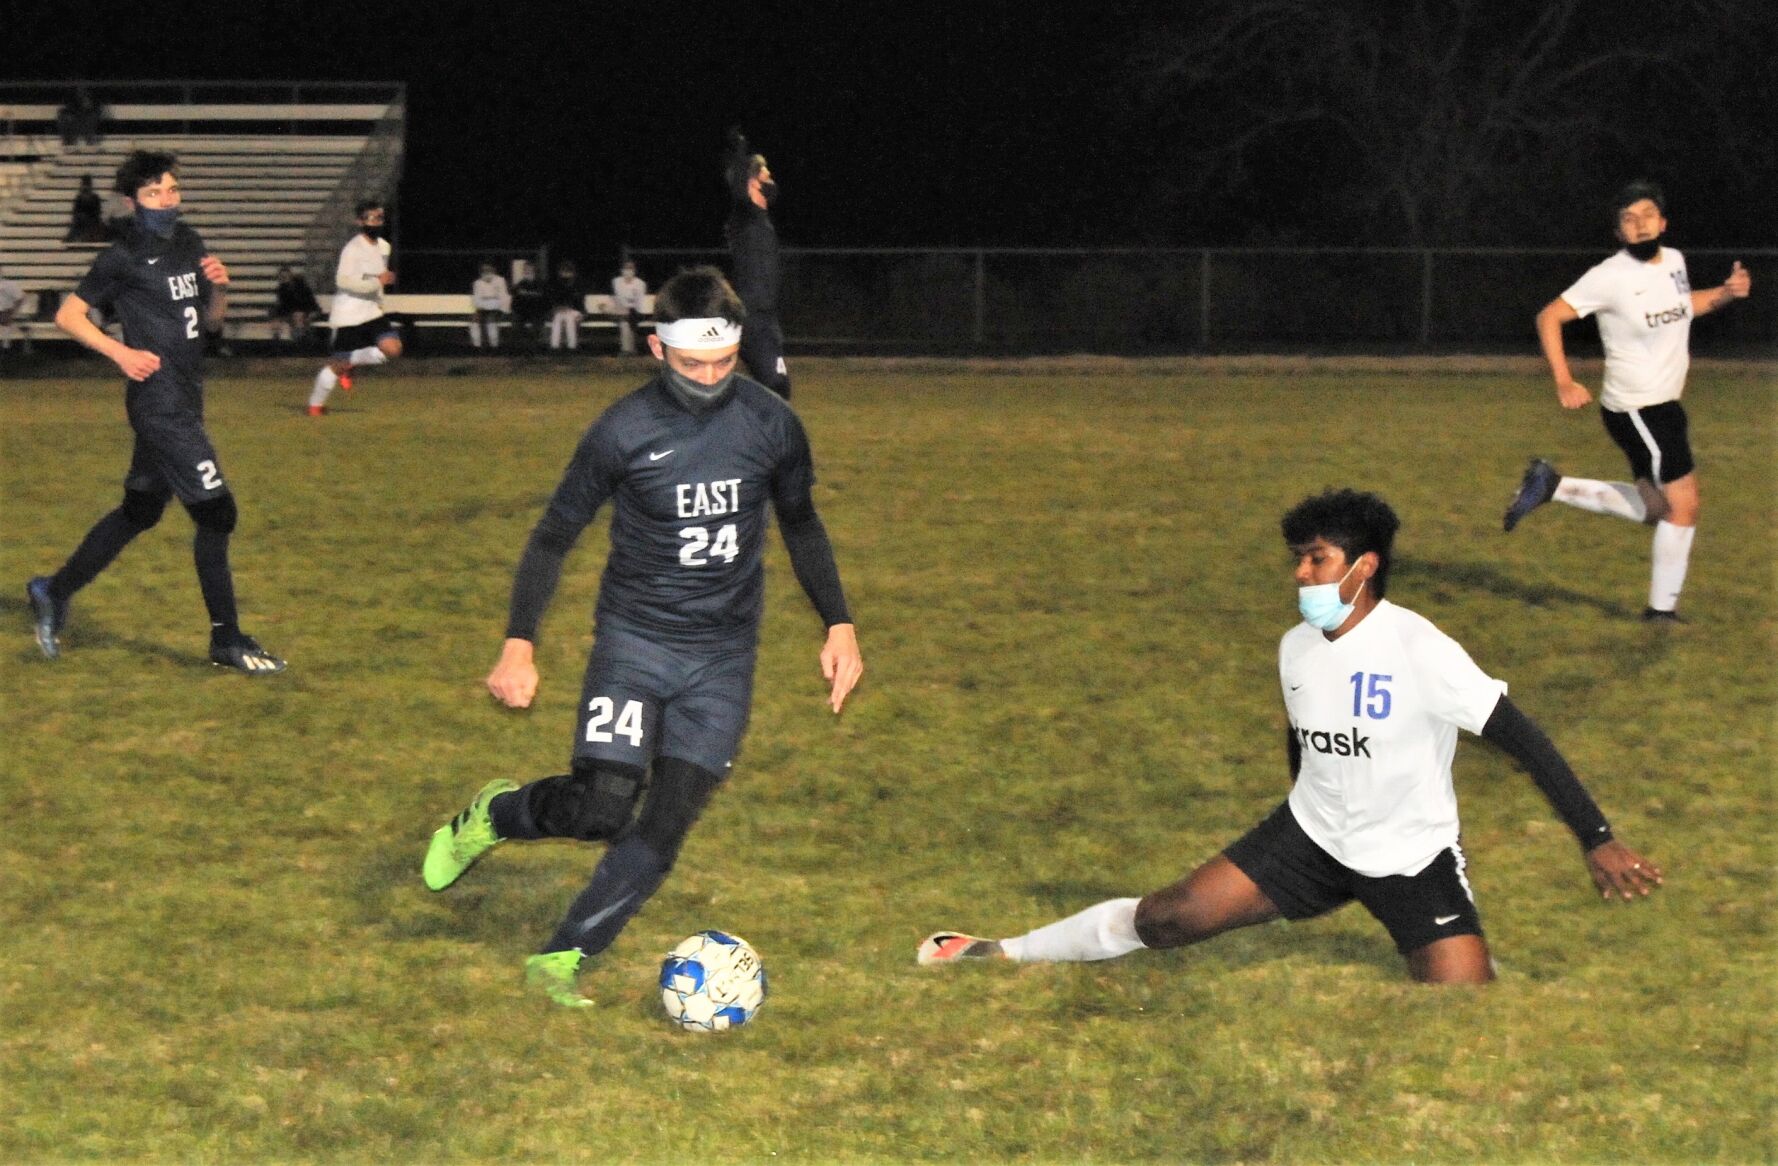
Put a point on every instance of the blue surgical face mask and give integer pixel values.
(1320, 603)
(159, 222)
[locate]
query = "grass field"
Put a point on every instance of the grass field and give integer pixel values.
(1069, 588)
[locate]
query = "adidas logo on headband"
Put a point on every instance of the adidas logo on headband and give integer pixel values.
(709, 332)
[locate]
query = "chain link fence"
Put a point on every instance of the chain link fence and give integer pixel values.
(1127, 301)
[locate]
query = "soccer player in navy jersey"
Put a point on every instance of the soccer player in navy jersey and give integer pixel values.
(690, 462)
(753, 248)
(167, 291)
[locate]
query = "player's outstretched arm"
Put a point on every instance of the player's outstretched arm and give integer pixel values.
(1550, 321)
(513, 682)
(841, 663)
(1618, 870)
(1738, 286)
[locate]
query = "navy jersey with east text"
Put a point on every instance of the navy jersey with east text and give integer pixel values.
(157, 290)
(690, 494)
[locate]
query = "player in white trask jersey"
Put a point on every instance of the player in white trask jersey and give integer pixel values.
(362, 335)
(1375, 696)
(1644, 300)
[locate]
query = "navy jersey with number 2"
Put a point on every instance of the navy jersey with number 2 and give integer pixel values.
(156, 288)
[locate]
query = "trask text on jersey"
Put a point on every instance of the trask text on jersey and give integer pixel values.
(1671, 316)
(1353, 744)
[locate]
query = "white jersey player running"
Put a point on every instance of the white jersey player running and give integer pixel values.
(362, 335)
(1643, 299)
(1375, 695)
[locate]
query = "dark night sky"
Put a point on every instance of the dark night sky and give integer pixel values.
(586, 124)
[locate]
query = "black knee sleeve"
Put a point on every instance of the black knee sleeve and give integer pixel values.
(217, 514)
(676, 797)
(142, 509)
(592, 804)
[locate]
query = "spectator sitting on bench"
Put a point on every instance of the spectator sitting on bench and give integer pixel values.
(86, 222)
(628, 295)
(12, 296)
(491, 301)
(295, 308)
(566, 306)
(528, 305)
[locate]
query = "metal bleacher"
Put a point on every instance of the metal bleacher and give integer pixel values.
(267, 183)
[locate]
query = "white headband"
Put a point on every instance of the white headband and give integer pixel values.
(709, 332)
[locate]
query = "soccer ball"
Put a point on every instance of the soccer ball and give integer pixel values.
(712, 982)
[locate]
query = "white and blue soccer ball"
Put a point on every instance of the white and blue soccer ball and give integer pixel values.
(712, 982)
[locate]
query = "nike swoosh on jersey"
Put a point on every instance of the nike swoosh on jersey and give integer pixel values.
(153, 261)
(1441, 920)
(655, 457)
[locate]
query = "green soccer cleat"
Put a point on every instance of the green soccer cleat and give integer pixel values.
(553, 973)
(458, 843)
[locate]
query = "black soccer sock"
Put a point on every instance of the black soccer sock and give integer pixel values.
(627, 876)
(209, 550)
(510, 815)
(593, 804)
(103, 543)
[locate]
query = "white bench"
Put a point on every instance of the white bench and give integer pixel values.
(421, 311)
(448, 311)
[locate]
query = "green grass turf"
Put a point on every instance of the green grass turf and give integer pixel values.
(1069, 589)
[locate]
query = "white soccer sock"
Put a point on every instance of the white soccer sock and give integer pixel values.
(475, 335)
(1672, 553)
(1101, 932)
(1619, 498)
(365, 357)
(325, 382)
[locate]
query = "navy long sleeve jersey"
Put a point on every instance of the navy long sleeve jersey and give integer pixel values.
(753, 249)
(690, 492)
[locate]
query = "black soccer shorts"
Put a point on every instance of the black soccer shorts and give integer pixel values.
(1303, 881)
(346, 341)
(1654, 439)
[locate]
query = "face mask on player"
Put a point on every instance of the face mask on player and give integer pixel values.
(372, 230)
(1645, 250)
(769, 192)
(695, 394)
(158, 222)
(1321, 605)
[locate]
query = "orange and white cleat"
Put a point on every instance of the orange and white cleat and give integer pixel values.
(346, 381)
(317, 410)
(947, 947)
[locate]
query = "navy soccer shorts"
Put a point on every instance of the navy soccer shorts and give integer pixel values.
(173, 455)
(1303, 881)
(645, 697)
(1654, 439)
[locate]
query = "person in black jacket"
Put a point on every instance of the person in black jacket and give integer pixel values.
(567, 304)
(753, 249)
